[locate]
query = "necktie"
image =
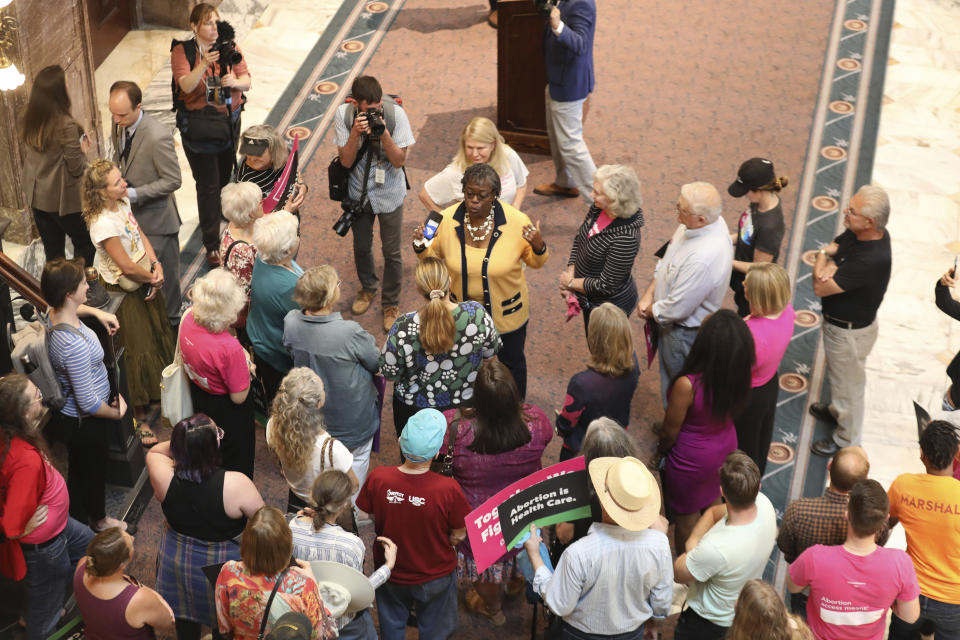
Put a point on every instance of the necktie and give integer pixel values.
(127, 136)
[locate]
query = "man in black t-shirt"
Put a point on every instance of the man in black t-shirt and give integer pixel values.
(851, 276)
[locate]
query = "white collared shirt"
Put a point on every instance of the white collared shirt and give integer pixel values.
(610, 570)
(691, 279)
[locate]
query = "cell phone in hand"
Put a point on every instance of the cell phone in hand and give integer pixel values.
(430, 226)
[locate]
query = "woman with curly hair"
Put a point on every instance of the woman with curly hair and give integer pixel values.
(218, 366)
(760, 614)
(125, 258)
(297, 435)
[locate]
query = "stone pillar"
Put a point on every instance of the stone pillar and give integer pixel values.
(49, 33)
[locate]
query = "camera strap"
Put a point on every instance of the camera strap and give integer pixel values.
(366, 176)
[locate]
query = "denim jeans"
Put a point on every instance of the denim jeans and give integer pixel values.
(49, 572)
(940, 618)
(436, 608)
(675, 343)
(360, 628)
(392, 237)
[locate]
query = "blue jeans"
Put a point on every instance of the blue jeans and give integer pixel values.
(675, 343)
(360, 628)
(939, 618)
(49, 573)
(436, 608)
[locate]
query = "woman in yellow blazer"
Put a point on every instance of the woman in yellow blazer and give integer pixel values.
(53, 165)
(485, 243)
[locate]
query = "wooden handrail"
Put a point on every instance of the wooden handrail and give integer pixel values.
(22, 282)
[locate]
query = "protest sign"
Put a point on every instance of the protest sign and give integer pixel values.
(558, 493)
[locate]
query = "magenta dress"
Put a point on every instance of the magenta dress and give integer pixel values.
(481, 476)
(691, 481)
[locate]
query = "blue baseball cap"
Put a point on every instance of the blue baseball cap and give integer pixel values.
(423, 435)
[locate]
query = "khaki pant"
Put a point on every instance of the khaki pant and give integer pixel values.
(846, 351)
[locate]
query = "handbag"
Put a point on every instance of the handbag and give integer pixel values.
(444, 465)
(175, 401)
(205, 125)
(129, 285)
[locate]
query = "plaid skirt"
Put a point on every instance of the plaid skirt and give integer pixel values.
(180, 579)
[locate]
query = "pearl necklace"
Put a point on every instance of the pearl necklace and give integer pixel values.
(480, 232)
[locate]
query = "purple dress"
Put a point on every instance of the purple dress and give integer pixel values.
(481, 476)
(691, 481)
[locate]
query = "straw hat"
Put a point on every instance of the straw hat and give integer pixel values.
(627, 491)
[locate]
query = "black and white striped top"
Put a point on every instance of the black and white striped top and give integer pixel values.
(605, 260)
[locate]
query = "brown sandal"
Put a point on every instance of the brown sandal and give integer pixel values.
(475, 604)
(143, 431)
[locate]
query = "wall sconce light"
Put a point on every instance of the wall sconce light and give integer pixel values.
(10, 77)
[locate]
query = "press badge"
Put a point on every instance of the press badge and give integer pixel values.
(379, 176)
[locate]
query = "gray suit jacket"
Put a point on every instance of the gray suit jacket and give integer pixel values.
(152, 169)
(51, 178)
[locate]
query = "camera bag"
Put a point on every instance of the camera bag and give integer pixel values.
(338, 176)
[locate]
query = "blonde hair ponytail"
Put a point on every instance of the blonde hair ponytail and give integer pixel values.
(437, 327)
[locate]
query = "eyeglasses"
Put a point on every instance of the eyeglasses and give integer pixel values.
(38, 396)
(850, 211)
(219, 434)
(685, 212)
(476, 195)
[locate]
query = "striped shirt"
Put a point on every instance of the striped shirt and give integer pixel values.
(604, 259)
(386, 197)
(333, 544)
(78, 363)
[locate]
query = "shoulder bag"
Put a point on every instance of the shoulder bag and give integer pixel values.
(444, 464)
(175, 401)
(266, 610)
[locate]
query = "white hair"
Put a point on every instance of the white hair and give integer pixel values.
(275, 236)
(239, 201)
(621, 184)
(876, 204)
(704, 200)
(217, 299)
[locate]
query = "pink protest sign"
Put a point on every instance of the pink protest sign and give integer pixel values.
(541, 498)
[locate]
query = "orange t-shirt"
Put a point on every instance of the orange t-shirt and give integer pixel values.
(928, 507)
(197, 99)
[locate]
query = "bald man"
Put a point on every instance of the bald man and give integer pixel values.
(822, 520)
(691, 278)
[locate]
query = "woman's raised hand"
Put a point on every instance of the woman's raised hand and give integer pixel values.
(532, 235)
(389, 551)
(210, 56)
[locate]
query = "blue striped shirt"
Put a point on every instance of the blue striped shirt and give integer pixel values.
(78, 363)
(333, 544)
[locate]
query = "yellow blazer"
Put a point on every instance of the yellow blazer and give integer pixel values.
(492, 276)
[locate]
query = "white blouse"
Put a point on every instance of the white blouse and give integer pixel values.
(445, 187)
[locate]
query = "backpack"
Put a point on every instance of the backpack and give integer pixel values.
(338, 176)
(30, 357)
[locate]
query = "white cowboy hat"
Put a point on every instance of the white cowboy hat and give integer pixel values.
(349, 590)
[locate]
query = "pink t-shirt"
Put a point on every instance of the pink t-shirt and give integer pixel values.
(58, 507)
(850, 594)
(215, 362)
(771, 337)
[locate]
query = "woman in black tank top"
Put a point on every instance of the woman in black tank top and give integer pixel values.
(206, 509)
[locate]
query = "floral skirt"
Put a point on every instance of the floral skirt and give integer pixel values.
(497, 573)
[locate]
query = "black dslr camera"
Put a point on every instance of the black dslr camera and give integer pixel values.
(543, 6)
(375, 122)
(351, 210)
(226, 45)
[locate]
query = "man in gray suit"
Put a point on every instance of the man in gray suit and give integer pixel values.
(143, 149)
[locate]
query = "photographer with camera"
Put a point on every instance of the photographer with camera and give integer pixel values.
(374, 148)
(568, 53)
(209, 76)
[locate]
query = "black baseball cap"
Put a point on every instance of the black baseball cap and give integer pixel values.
(253, 146)
(291, 626)
(753, 174)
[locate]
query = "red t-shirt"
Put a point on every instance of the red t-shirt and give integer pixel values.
(850, 594)
(215, 362)
(417, 512)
